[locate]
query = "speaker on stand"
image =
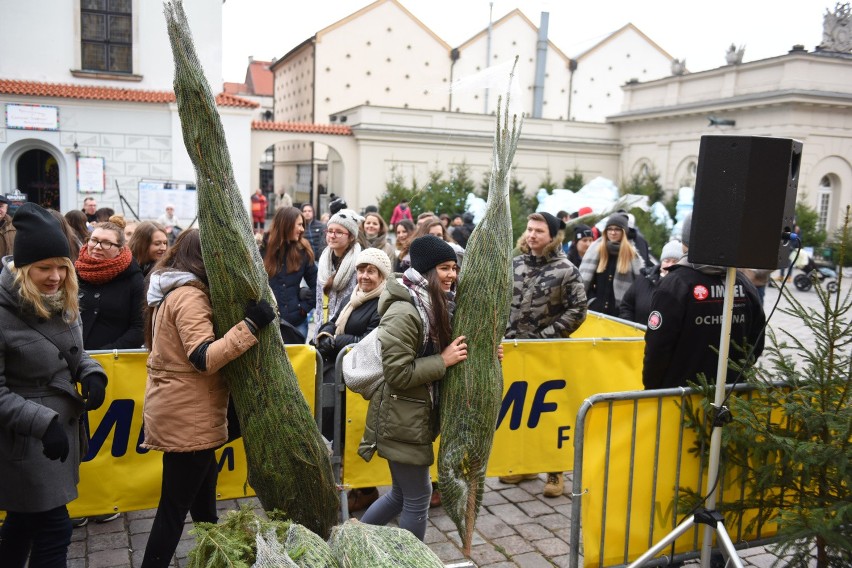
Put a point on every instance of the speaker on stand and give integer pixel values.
(745, 201)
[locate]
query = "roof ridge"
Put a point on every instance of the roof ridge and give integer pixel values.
(105, 93)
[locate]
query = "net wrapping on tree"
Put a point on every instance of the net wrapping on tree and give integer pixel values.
(357, 545)
(471, 391)
(288, 463)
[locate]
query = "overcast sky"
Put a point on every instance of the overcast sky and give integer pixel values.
(699, 31)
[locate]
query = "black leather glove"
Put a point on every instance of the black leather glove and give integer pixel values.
(259, 314)
(325, 344)
(55, 442)
(94, 390)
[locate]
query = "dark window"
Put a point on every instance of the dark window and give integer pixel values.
(107, 35)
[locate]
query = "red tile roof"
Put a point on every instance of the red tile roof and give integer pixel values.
(302, 127)
(259, 78)
(234, 88)
(227, 99)
(91, 92)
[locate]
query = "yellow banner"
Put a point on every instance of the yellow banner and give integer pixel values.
(544, 384)
(631, 472)
(119, 475)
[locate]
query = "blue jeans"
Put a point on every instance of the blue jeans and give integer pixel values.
(43, 537)
(409, 498)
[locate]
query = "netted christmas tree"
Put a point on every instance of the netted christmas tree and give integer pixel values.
(288, 463)
(472, 390)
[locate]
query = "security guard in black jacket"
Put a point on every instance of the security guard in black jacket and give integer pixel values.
(685, 324)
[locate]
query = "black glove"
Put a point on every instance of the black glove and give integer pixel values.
(94, 390)
(325, 344)
(55, 441)
(260, 314)
(306, 293)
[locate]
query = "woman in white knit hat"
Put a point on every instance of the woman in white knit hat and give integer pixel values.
(356, 318)
(336, 266)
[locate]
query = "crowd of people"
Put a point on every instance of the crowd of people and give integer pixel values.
(89, 280)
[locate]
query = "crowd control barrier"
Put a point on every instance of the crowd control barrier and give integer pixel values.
(118, 474)
(544, 384)
(633, 457)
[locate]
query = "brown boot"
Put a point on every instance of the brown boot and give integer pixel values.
(360, 499)
(435, 501)
(517, 478)
(555, 484)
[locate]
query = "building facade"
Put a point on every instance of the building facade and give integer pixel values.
(802, 95)
(92, 113)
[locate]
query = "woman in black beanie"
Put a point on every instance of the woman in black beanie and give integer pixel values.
(40, 408)
(417, 348)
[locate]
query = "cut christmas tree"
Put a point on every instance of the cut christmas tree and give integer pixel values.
(288, 463)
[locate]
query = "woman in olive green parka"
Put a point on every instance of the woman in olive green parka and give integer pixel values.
(417, 347)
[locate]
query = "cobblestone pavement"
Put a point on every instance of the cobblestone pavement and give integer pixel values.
(517, 527)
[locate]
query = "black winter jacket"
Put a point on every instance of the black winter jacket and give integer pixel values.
(112, 312)
(315, 233)
(686, 322)
(363, 319)
(635, 306)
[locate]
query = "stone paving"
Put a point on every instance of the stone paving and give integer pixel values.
(517, 527)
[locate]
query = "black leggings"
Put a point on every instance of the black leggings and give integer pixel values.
(189, 486)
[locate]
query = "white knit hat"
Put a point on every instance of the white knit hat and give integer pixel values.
(673, 249)
(347, 219)
(377, 258)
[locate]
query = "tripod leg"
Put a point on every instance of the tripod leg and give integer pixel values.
(725, 542)
(664, 543)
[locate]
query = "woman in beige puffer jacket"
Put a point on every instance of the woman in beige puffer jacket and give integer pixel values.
(186, 399)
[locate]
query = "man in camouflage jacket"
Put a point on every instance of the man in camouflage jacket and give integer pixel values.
(548, 301)
(548, 298)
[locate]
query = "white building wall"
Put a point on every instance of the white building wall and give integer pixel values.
(664, 120)
(382, 58)
(603, 70)
(513, 36)
(40, 41)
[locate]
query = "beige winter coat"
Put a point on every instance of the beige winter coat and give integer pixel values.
(186, 409)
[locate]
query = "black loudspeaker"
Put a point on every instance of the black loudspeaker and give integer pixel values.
(745, 199)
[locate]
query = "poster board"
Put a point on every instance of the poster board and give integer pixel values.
(91, 177)
(155, 194)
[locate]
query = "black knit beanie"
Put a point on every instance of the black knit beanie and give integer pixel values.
(553, 224)
(581, 230)
(38, 236)
(429, 251)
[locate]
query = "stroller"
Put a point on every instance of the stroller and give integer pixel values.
(813, 271)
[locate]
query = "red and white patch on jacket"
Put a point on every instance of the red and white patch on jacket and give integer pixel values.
(700, 292)
(655, 320)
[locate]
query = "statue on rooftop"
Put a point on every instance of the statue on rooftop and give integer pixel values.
(734, 56)
(837, 29)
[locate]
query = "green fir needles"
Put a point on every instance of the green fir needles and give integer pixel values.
(288, 464)
(472, 390)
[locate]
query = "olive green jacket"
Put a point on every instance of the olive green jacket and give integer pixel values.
(402, 418)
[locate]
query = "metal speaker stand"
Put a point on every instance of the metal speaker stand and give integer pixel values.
(711, 519)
